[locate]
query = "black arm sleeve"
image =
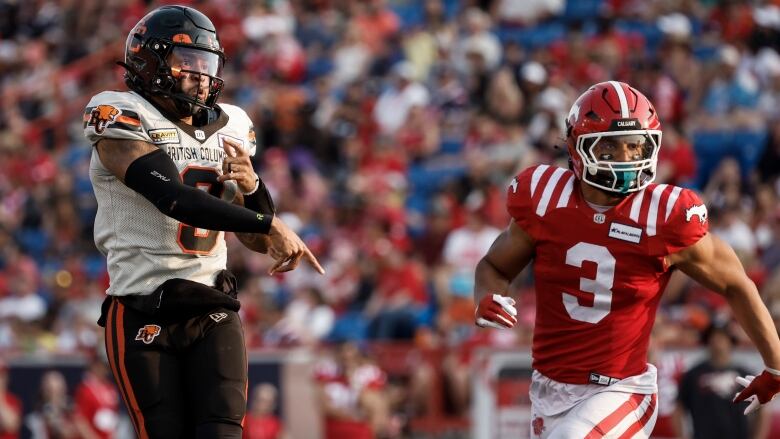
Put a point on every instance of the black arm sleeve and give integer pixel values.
(260, 200)
(155, 176)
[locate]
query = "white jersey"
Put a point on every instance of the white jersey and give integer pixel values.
(144, 248)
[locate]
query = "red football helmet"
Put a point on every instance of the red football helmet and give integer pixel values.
(613, 113)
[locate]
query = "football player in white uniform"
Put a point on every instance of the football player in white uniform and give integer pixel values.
(171, 172)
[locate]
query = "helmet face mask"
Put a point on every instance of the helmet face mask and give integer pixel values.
(174, 52)
(196, 75)
(601, 168)
(613, 138)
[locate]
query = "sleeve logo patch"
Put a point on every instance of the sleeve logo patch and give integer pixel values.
(102, 116)
(164, 135)
(699, 210)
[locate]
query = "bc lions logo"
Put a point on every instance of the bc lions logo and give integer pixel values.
(700, 210)
(148, 333)
(538, 426)
(102, 115)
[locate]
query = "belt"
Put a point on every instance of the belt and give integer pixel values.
(601, 380)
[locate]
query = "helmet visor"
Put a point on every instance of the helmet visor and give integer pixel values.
(184, 59)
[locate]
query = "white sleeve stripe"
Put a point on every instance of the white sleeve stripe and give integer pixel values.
(548, 190)
(652, 214)
(537, 175)
(670, 202)
(636, 206)
(563, 201)
(623, 100)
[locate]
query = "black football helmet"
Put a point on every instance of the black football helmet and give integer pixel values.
(169, 44)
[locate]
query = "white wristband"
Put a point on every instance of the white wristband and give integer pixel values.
(774, 372)
(257, 186)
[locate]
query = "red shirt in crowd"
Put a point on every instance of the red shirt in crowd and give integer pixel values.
(97, 401)
(16, 405)
(344, 391)
(261, 427)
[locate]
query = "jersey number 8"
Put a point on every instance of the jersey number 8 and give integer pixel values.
(193, 240)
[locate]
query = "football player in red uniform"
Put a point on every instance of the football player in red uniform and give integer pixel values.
(605, 241)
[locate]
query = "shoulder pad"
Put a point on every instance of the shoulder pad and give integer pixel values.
(115, 115)
(677, 216)
(242, 124)
(536, 192)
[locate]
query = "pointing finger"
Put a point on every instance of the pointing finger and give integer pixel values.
(313, 261)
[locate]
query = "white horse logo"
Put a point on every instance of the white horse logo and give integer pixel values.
(699, 209)
(513, 185)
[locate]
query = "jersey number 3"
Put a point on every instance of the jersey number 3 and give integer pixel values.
(193, 240)
(600, 287)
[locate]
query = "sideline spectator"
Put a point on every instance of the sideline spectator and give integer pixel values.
(261, 420)
(96, 402)
(10, 408)
(53, 414)
(707, 390)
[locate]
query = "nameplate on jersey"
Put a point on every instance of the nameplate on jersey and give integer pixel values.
(164, 135)
(625, 233)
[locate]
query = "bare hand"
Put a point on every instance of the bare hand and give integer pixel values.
(237, 166)
(288, 249)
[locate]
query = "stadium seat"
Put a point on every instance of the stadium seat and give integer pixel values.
(534, 37)
(577, 10)
(451, 146)
(350, 326)
(34, 242)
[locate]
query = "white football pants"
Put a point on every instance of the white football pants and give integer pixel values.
(616, 415)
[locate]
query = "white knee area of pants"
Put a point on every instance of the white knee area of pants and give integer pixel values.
(585, 416)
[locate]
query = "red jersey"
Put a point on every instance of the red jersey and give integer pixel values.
(599, 275)
(344, 392)
(97, 401)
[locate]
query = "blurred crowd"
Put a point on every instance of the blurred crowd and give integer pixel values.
(389, 131)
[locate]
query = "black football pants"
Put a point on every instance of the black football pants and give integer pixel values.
(179, 377)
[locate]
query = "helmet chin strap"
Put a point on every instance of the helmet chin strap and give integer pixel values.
(183, 108)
